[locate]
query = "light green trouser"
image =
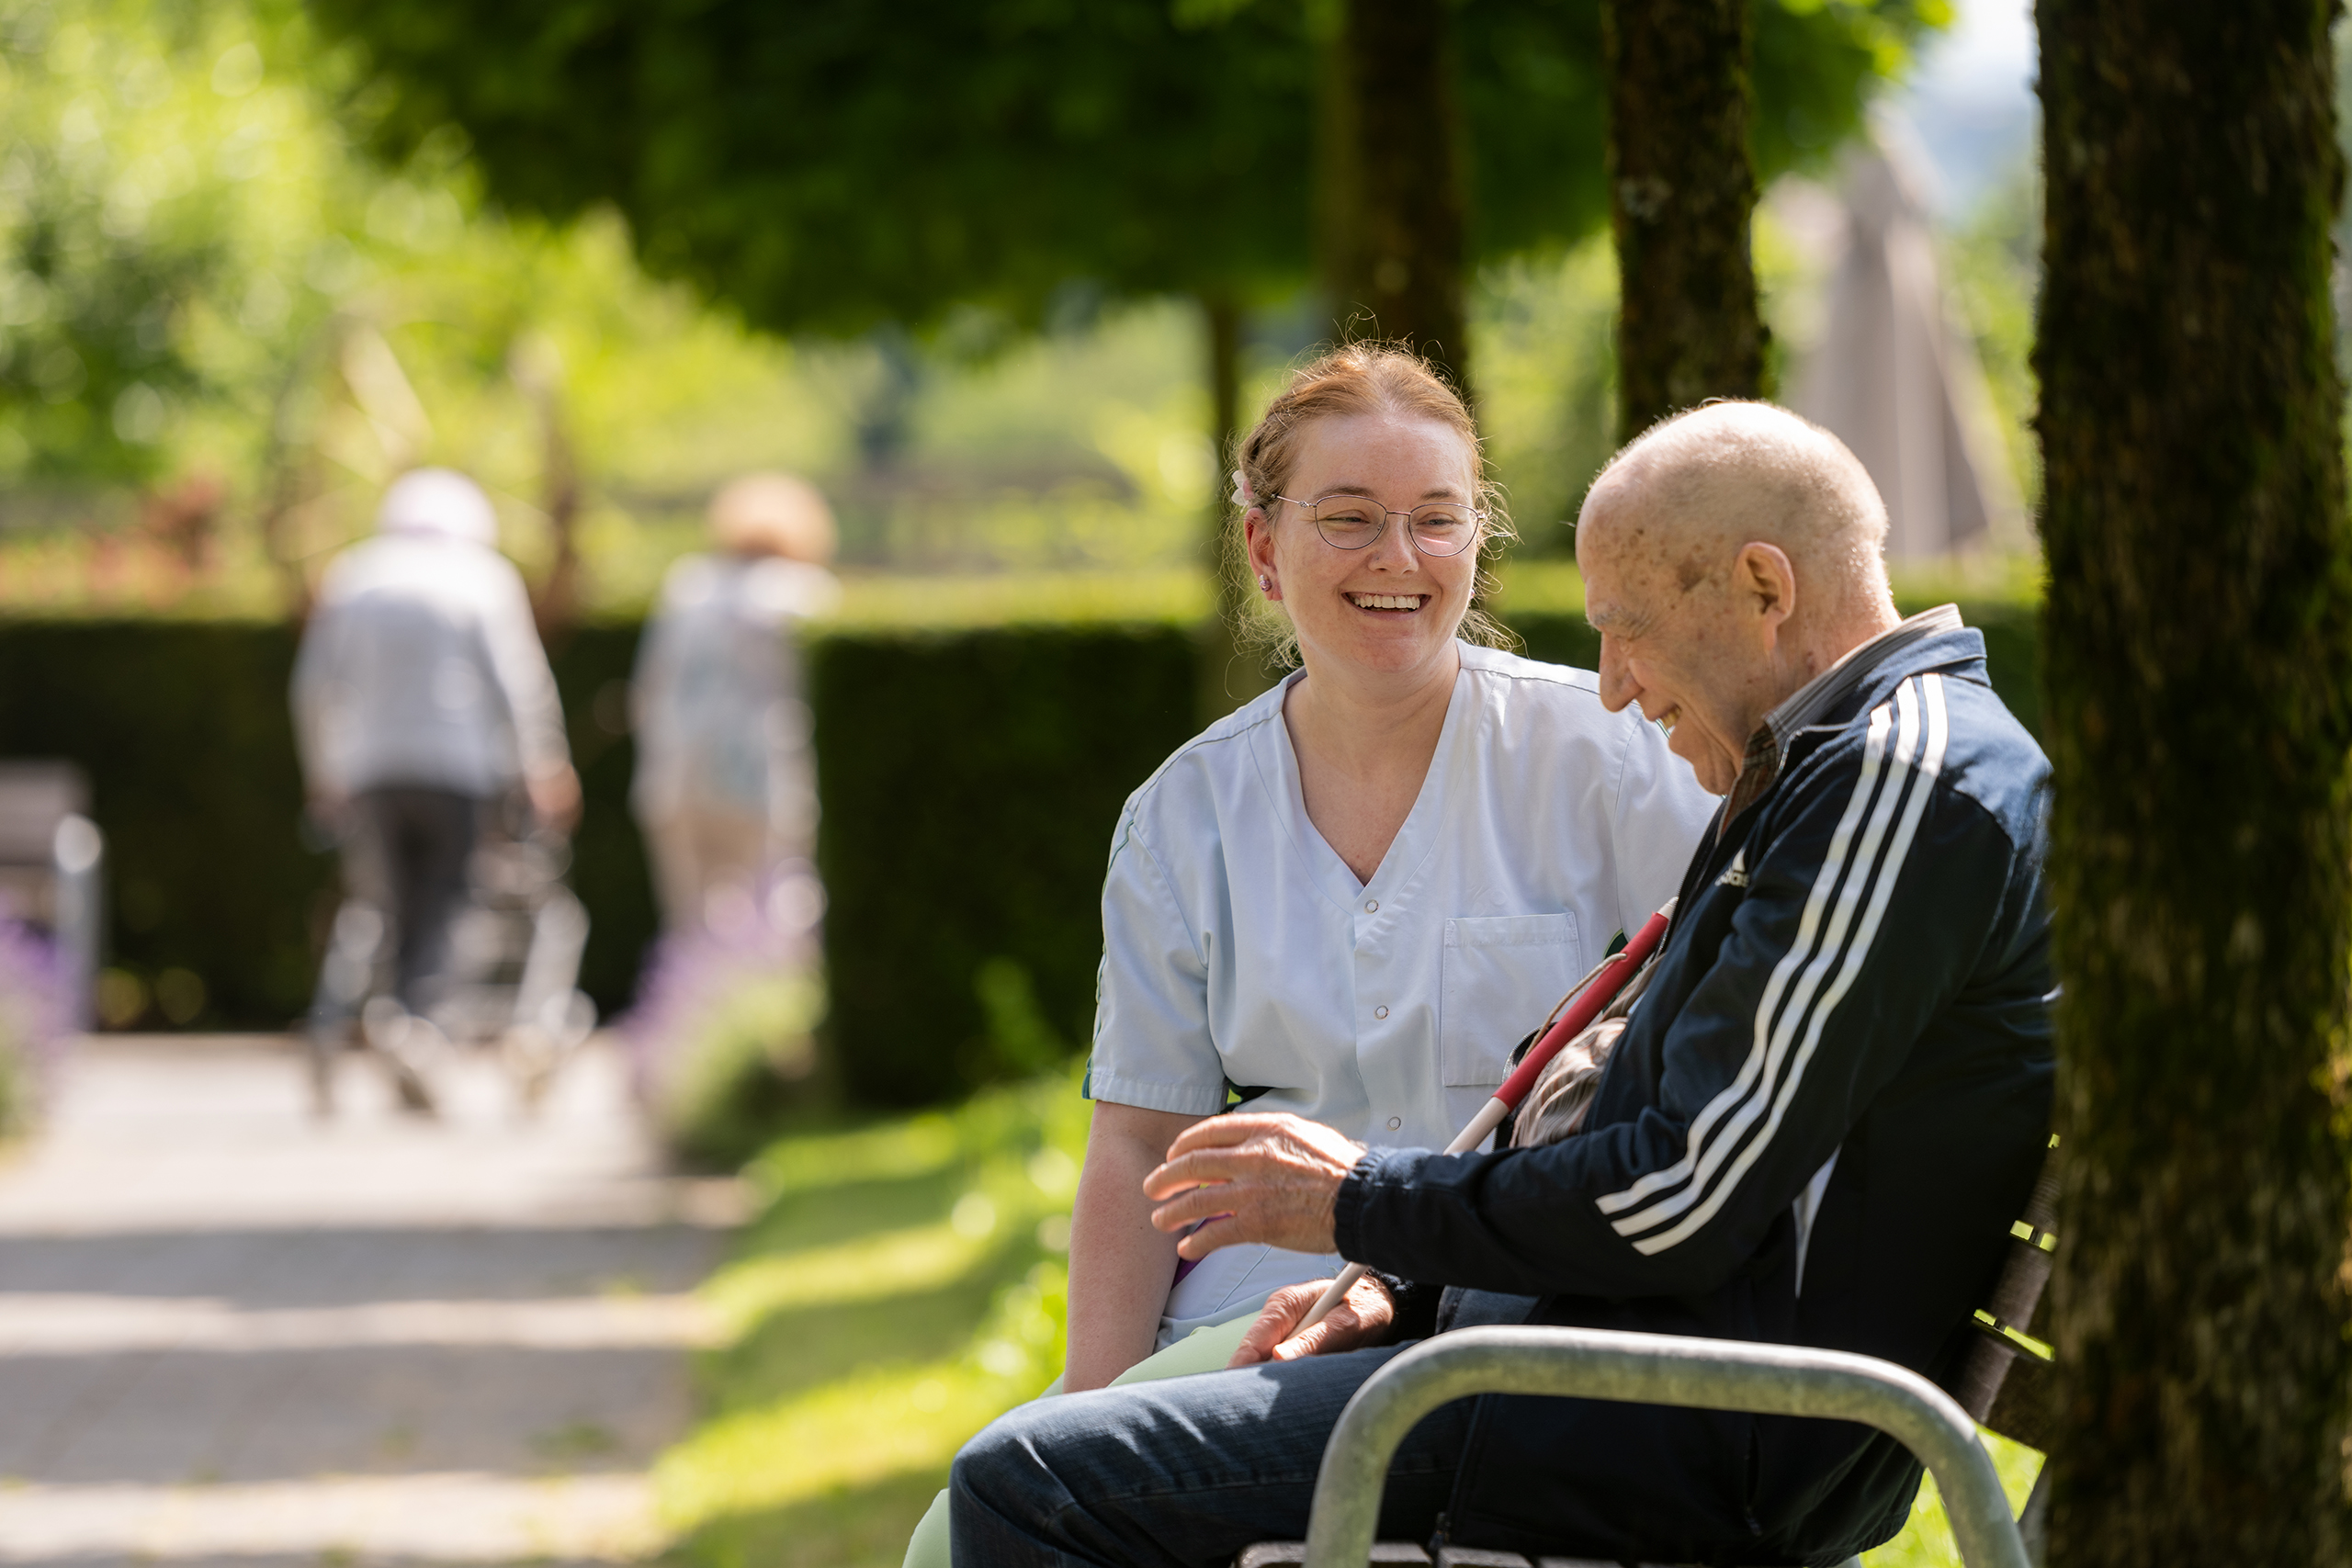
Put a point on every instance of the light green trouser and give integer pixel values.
(1203, 1350)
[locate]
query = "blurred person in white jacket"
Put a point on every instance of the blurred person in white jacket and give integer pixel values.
(726, 787)
(422, 700)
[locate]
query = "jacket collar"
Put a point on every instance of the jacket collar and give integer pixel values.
(1826, 693)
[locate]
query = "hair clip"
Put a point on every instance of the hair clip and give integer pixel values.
(1241, 496)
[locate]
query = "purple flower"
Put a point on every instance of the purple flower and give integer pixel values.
(36, 1018)
(771, 929)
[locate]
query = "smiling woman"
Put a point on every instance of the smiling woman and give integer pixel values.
(1316, 442)
(1356, 893)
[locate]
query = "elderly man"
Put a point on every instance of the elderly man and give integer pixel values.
(1826, 1111)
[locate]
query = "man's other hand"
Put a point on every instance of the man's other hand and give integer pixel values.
(1256, 1177)
(1361, 1318)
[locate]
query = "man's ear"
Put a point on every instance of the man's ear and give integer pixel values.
(1765, 581)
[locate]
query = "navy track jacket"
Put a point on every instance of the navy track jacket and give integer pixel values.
(1823, 1117)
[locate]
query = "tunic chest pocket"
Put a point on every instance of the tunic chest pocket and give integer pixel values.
(1496, 979)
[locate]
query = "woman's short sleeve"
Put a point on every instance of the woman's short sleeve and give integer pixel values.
(1151, 1047)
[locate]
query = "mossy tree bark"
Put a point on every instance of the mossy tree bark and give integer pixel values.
(1395, 241)
(2198, 639)
(1681, 188)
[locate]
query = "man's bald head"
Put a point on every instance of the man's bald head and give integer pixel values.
(1729, 556)
(1689, 491)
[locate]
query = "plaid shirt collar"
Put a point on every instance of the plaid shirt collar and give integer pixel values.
(1768, 749)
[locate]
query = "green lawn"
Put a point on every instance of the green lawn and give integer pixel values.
(902, 1286)
(1926, 1541)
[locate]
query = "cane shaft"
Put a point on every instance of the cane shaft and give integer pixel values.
(1599, 989)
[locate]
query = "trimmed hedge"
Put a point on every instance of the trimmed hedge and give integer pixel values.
(970, 782)
(182, 730)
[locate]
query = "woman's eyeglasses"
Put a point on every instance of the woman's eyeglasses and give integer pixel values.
(1354, 522)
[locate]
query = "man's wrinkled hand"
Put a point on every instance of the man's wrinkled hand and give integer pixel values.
(1361, 1318)
(1270, 1179)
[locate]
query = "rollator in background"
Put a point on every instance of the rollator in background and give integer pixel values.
(433, 750)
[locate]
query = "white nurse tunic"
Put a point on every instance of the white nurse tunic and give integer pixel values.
(1239, 949)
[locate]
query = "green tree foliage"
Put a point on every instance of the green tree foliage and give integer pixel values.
(835, 163)
(195, 259)
(189, 237)
(127, 259)
(1537, 102)
(840, 164)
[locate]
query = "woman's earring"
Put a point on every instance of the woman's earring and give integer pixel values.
(1265, 583)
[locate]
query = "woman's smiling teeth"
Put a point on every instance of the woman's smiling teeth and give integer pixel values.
(1388, 601)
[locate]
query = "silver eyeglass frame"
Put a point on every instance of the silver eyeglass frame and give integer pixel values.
(1478, 515)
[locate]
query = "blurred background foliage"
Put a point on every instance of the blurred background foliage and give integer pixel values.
(250, 265)
(214, 302)
(844, 165)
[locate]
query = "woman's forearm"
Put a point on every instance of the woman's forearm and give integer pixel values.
(1120, 1268)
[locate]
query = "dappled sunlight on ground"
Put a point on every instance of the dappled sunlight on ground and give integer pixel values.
(231, 1334)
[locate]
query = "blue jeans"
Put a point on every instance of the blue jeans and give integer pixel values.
(1186, 1472)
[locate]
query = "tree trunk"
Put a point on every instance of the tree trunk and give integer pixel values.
(2197, 658)
(538, 373)
(1391, 215)
(1222, 315)
(1681, 187)
(1229, 676)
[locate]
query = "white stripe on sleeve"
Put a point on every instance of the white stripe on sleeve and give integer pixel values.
(1825, 883)
(1881, 880)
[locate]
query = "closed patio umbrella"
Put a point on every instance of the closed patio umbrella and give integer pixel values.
(1894, 378)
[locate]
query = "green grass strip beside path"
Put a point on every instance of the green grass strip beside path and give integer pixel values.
(902, 1286)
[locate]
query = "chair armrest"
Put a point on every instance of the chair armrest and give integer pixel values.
(1653, 1369)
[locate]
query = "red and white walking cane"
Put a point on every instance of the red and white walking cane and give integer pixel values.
(1576, 1012)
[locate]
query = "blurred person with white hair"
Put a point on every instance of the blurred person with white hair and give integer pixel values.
(422, 699)
(726, 783)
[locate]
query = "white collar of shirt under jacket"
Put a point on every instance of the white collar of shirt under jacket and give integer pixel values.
(1768, 749)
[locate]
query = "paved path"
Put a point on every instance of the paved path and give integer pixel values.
(231, 1336)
